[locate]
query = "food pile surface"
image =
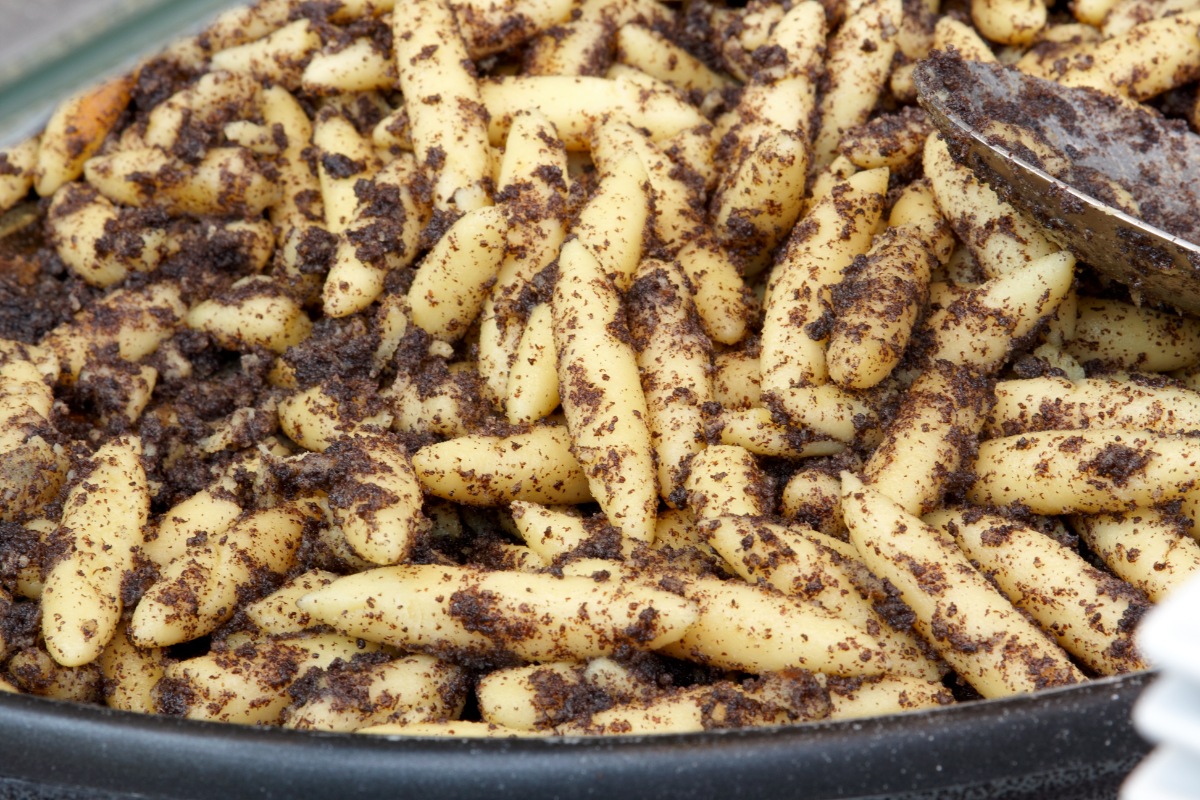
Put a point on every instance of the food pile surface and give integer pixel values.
(500, 367)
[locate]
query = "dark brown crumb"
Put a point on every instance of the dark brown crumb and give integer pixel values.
(1117, 463)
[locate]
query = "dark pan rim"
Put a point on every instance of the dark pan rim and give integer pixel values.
(1076, 734)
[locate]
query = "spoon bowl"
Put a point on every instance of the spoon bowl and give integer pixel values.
(1116, 185)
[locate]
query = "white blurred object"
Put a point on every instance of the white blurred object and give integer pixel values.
(1168, 712)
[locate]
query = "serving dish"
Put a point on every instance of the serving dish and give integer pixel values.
(1068, 743)
(1072, 744)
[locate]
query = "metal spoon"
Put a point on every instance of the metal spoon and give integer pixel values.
(1067, 158)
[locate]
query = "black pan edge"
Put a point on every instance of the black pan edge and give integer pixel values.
(1078, 740)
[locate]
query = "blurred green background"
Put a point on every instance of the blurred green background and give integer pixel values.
(49, 48)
